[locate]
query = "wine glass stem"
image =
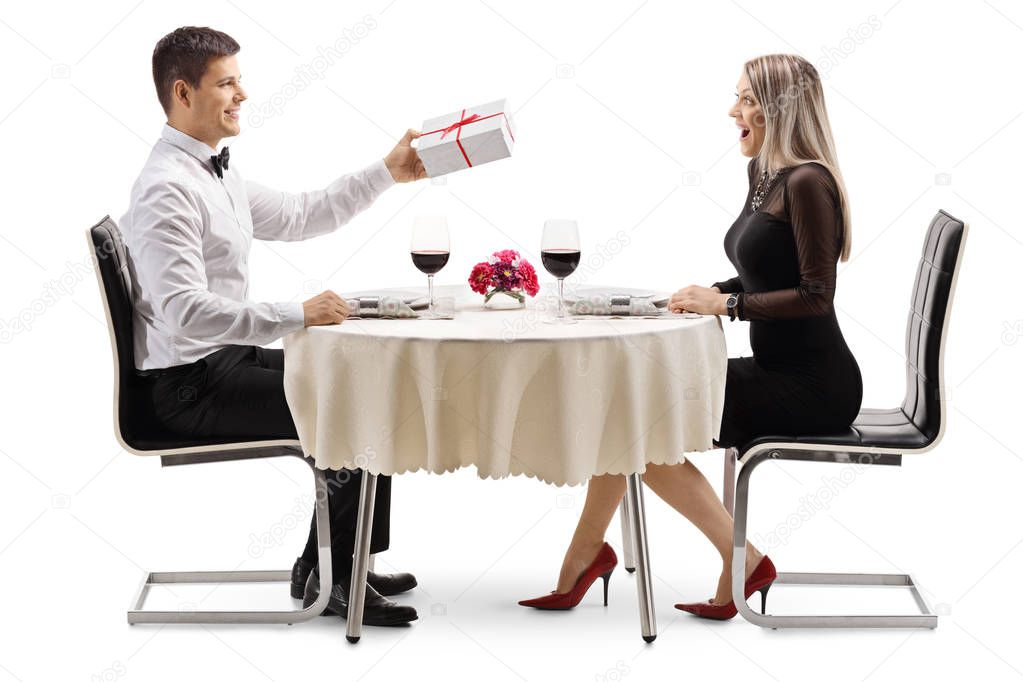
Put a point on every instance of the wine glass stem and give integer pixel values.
(561, 298)
(429, 279)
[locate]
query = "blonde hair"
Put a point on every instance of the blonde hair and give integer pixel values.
(789, 91)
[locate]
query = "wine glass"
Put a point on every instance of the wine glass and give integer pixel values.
(559, 250)
(431, 248)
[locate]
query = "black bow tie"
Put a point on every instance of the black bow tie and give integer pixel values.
(219, 162)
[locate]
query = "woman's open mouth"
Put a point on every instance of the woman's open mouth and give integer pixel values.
(743, 133)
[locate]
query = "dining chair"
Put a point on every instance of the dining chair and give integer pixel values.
(140, 433)
(876, 437)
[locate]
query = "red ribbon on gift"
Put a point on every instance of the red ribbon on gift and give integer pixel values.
(464, 120)
(459, 124)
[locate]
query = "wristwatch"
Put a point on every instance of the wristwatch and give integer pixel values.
(730, 304)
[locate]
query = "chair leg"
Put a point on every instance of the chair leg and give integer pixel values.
(728, 486)
(925, 619)
(637, 517)
(628, 549)
(360, 561)
(137, 614)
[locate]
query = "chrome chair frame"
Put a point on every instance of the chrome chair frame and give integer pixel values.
(926, 618)
(138, 614)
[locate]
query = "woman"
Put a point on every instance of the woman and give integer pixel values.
(802, 378)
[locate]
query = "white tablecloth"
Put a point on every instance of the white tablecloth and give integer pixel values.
(504, 392)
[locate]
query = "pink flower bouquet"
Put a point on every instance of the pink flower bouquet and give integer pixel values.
(504, 272)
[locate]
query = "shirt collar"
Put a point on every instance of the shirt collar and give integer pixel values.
(200, 150)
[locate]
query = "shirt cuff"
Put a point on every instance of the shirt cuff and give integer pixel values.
(378, 177)
(292, 316)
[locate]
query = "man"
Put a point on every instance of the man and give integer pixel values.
(188, 231)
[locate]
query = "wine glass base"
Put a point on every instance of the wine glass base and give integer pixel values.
(560, 320)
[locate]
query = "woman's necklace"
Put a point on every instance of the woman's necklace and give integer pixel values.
(762, 189)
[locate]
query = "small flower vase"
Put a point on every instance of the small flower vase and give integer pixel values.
(508, 300)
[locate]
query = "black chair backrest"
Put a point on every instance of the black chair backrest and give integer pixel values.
(112, 261)
(137, 424)
(134, 396)
(926, 328)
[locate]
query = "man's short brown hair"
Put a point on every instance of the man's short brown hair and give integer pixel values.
(184, 55)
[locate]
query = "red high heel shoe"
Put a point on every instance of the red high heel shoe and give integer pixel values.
(760, 580)
(601, 567)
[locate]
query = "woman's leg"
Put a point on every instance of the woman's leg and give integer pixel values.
(687, 490)
(602, 497)
(683, 487)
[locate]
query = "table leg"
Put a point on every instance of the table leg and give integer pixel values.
(628, 549)
(728, 485)
(360, 561)
(637, 522)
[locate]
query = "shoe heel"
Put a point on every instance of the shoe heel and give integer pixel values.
(763, 598)
(606, 577)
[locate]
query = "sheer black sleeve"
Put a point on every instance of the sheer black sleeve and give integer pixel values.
(812, 205)
(729, 286)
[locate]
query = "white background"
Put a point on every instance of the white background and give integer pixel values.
(621, 121)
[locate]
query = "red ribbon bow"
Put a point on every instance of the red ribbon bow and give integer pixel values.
(459, 124)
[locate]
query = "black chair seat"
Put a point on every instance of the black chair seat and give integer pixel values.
(890, 428)
(146, 433)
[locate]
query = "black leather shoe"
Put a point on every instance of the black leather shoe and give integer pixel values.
(377, 609)
(387, 584)
(299, 574)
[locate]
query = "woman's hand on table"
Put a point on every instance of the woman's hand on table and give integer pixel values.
(697, 299)
(326, 308)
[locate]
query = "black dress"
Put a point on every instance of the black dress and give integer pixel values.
(802, 378)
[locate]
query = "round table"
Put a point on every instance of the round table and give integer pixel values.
(505, 392)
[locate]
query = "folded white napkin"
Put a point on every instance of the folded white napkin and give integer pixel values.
(613, 304)
(379, 306)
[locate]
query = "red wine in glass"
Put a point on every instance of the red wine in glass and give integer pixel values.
(429, 261)
(559, 251)
(560, 262)
(430, 248)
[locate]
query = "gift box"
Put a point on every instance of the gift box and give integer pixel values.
(466, 138)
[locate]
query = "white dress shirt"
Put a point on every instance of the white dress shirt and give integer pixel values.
(188, 235)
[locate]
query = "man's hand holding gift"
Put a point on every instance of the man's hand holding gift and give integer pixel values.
(403, 161)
